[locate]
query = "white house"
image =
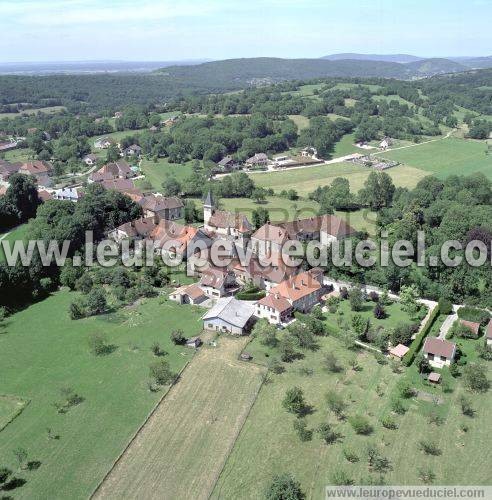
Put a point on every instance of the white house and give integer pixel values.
(230, 315)
(439, 352)
(70, 193)
(90, 160)
(188, 294)
(217, 282)
(274, 308)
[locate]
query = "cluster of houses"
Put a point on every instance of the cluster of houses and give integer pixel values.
(41, 170)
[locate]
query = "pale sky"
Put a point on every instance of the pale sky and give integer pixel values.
(163, 30)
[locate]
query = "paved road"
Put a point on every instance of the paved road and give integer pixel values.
(447, 324)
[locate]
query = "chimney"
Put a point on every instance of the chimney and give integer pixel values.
(155, 219)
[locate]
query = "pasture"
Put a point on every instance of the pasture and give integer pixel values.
(50, 110)
(451, 156)
(156, 172)
(181, 450)
(42, 351)
(268, 443)
(306, 180)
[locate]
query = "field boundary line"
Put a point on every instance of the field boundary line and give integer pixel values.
(263, 374)
(138, 431)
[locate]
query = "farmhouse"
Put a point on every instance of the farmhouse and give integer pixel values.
(39, 169)
(258, 160)
(163, 207)
(217, 282)
(488, 333)
(439, 352)
(309, 152)
(227, 164)
(189, 294)
(385, 143)
(274, 308)
(230, 315)
(302, 291)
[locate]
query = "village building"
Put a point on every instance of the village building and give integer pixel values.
(385, 143)
(472, 326)
(230, 315)
(121, 185)
(434, 378)
(163, 207)
(133, 150)
(3, 190)
(226, 225)
(70, 193)
(217, 282)
(439, 352)
(116, 170)
(44, 195)
(90, 159)
(258, 160)
(7, 169)
(188, 294)
(271, 237)
(41, 170)
(274, 308)
(309, 152)
(488, 333)
(227, 164)
(303, 291)
(104, 143)
(138, 229)
(178, 240)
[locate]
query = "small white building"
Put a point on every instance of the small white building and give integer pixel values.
(70, 193)
(230, 315)
(488, 333)
(439, 352)
(90, 160)
(274, 308)
(188, 294)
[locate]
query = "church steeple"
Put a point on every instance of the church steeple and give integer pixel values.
(208, 207)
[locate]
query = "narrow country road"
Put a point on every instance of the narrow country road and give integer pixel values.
(414, 145)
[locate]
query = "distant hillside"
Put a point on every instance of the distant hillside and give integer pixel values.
(474, 62)
(436, 66)
(398, 58)
(236, 73)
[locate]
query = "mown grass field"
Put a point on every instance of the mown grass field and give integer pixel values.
(17, 234)
(446, 157)
(156, 172)
(48, 110)
(43, 351)
(306, 180)
(18, 155)
(183, 447)
(269, 445)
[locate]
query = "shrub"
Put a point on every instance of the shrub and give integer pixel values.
(445, 306)
(161, 373)
(328, 435)
(336, 403)
(302, 431)
(466, 407)
(373, 296)
(388, 422)
(356, 298)
(379, 311)
(284, 486)
(344, 294)
(360, 425)
(429, 448)
(475, 377)
(330, 363)
(341, 478)
(350, 456)
(426, 475)
(294, 401)
(177, 337)
(98, 344)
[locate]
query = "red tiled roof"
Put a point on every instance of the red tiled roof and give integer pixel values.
(138, 228)
(170, 231)
(222, 219)
(44, 195)
(275, 301)
(297, 287)
(156, 203)
(37, 167)
(213, 277)
(439, 347)
(399, 351)
(122, 185)
(474, 327)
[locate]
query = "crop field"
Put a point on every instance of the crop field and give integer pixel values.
(181, 450)
(446, 157)
(269, 445)
(306, 180)
(42, 351)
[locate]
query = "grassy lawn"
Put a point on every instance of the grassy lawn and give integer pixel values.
(15, 155)
(268, 444)
(156, 172)
(19, 233)
(302, 122)
(446, 157)
(10, 407)
(344, 315)
(393, 97)
(182, 449)
(306, 180)
(43, 351)
(348, 86)
(345, 146)
(48, 110)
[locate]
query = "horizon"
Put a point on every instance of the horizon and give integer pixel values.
(77, 30)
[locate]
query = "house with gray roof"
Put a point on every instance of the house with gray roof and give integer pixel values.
(230, 315)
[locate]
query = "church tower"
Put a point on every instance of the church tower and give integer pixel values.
(208, 208)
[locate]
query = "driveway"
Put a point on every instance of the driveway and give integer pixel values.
(447, 324)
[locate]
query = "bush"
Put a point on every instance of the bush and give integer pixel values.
(388, 422)
(445, 306)
(360, 425)
(429, 448)
(350, 456)
(379, 311)
(356, 299)
(294, 401)
(344, 293)
(161, 373)
(473, 314)
(475, 378)
(177, 337)
(250, 295)
(284, 486)
(98, 344)
(373, 296)
(302, 431)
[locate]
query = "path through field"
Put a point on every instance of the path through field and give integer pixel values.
(182, 449)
